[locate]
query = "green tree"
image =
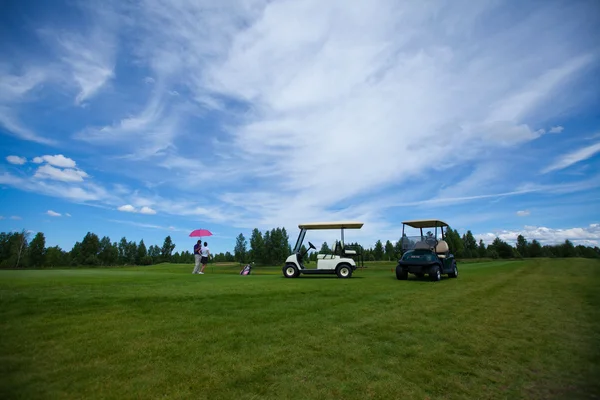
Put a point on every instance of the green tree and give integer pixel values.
(398, 246)
(154, 252)
(378, 250)
(106, 252)
(535, 249)
(131, 252)
(257, 246)
(268, 248)
(470, 245)
(240, 249)
(123, 251)
(276, 250)
(522, 246)
(142, 253)
(54, 257)
(455, 243)
(90, 247)
(167, 249)
(389, 250)
(37, 250)
(567, 249)
(22, 239)
(503, 249)
(325, 249)
(481, 249)
(285, 245)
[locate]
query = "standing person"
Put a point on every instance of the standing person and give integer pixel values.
(205, 255)
(197, 256)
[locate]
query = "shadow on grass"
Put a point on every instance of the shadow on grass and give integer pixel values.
(425, 279)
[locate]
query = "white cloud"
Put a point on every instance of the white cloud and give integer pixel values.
(127, 208)
(143, 210)
(381, 84)
(16, 160)
(1, 217)
(65, 175)
(53, 213)
(149, 80)
(15, 217)
(556, 129)
(67, 215)
(524, 213)
(147, 210)
(57, 160)
(588, 236)
(572, 158)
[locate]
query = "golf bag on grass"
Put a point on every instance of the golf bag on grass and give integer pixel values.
(247, 269)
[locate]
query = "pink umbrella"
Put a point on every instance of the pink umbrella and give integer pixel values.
(201, 233)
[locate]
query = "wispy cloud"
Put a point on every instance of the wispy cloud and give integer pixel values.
(14, 126)
(523, 213)
(15, 217)
(573, 158)
(556, 129)
(150, 226)
(588, 236)
(15, 90)
(89, 55)
(53, 213)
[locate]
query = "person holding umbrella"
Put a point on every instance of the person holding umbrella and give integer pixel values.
(200, 252)
(197, 257)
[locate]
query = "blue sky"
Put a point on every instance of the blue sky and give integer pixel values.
(147, 118)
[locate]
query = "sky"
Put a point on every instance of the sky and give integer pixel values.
(148, 118)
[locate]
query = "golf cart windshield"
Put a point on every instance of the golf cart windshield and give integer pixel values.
(418, 242)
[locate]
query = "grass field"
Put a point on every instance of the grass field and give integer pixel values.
(502, 330)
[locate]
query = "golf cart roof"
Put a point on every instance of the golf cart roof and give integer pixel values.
(425, 223)
(332, 225)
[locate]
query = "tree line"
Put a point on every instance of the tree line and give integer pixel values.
(269, 248)
(273, 248)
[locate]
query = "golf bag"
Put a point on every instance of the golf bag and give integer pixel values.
(246, 270)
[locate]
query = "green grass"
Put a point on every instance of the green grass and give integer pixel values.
(502, 330)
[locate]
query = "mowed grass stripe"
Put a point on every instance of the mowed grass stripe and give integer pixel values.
(526, 329)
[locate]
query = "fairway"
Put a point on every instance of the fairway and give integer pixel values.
(502, 330)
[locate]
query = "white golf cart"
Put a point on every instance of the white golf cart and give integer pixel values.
(341, 261)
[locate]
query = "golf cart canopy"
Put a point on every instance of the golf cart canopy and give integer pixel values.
(425, 223)
(332, 225)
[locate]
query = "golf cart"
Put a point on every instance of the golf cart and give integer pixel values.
(340, 262)
(425, 254)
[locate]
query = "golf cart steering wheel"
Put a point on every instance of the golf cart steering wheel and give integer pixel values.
(311, 246)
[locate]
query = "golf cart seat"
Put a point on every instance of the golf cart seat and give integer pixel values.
(442, 249)
(422, 245)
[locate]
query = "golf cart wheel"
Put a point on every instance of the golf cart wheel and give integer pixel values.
(435, 274)
(343, 271)
(290, 271)
(454, 273)
(401, 275)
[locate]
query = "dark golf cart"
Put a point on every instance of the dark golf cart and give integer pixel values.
(425, 254)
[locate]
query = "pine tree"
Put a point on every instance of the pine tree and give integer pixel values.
(240, 248)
